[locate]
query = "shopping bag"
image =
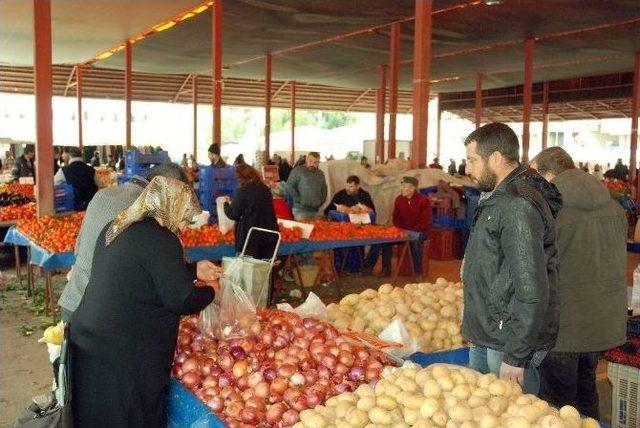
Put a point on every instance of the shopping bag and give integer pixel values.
(252, 275)
(225, 224)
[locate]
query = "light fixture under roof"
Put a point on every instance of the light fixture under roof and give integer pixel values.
(493, 2)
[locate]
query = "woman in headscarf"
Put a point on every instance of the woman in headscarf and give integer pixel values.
(252, 206)
(123, 334)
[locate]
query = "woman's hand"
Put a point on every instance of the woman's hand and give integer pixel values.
(208, 271)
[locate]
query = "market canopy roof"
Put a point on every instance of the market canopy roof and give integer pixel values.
(573, 38)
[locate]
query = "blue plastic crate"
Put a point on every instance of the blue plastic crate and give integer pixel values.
(457, 356)
(135, 169)
(134, 157)
(185, 409)
(428, 190)
(63, 198)
(449, 222)
(633, 247)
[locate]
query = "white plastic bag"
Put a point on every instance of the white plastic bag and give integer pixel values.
(312, 307)
(225, 224)
(396, 332)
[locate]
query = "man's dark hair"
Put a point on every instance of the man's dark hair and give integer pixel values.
(29, 148)
(353, 179)
(554, 160)
(315, 155)
(495, 137)
(74, 152)
(214, 149)
(363, 158)
(169, 170)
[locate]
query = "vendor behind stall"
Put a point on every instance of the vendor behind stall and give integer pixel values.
(80, 176)
(351, 196)
(123, 335)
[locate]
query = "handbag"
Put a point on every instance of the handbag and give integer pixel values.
(53, 410)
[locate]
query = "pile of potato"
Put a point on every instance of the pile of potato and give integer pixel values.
(431, 313)
(440, 396)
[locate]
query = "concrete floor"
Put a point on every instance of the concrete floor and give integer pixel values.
(25, 370)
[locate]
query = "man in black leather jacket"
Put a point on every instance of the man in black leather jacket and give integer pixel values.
(510, 265)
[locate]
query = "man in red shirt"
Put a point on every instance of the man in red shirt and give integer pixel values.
(412, 211)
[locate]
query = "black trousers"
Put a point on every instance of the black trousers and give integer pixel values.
(568, 378)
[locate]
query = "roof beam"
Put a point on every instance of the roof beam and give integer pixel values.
(69, 84)
(358, 98)
(280, 88)
(181, 90)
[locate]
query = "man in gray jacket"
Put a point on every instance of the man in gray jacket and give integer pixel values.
(592, 257)
(308, 187)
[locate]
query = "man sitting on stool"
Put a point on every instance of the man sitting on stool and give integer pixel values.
(412, 211)
(351, 196)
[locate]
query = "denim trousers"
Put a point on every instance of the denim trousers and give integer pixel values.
(487, 360)
(416, 249)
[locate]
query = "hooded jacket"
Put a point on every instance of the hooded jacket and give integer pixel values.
(592, 276)
(510, 269)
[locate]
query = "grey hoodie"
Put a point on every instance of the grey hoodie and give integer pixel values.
(591, 231)
(308, 187)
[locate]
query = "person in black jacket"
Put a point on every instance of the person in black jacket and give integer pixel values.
(252, 206)
(23, 166)
(510, 267)
(123, 334)
(80, 176)
(351, 196)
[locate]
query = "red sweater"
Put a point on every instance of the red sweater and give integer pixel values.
(412, 214)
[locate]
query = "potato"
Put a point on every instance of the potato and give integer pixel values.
(348, 397)
(410, 415)
(386, 402)
(481, 411)
(498, 405)
(488, 421)
(590, 423)
(381, 386)
(498, 387)
(422, 377)
(429, 407)
(407, 384)
(450, 401)
(385, 289)
(518, 422)
(357, 418)
(422, 423)
(439, 371)
(369, 294)
(393, 390)
(551, 421)
(432, 388)
(341, 423)
(366, 403)
(342, 408)
(311, 419)
(530, 412)
(481, 393)
(332, 402)
(460, 413)
(569, 412)
(446, 384)
(414, 401)
(440, 418)
(461, 391)
(475, 401)
(379, 416)
(485, 380)
(365, 390)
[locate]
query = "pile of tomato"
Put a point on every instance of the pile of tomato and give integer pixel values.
(206, 236)
(18, 212)
(25, 190)
(54, 234)
(332, 231)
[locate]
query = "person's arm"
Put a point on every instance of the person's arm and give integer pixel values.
(367, 201)
(424, 222)
(397, 214)
(59, 178)
(323, 189)
(15, 170)
(292, 184)
(332, 205)
(234, 209)
(173, 280)
(523, 248)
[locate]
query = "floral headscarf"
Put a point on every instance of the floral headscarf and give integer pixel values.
(170, 201)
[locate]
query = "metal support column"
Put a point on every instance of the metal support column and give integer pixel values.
(545, 114)
(43, 89)
(127, 94)
(394, 67)
(421, 74)
(478, 100)
(527, 97)
(380, 111)
(216, 70)
(194, 99)
(635, 111)
(293, 122)
(267, 107)
(438, 128)
(79, 99)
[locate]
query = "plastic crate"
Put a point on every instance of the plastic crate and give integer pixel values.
(449, 221)
(458, 356)
(134, 157)
(625, 406)
(135, 169)
(63, 198)
(441, 243)
(428, 190)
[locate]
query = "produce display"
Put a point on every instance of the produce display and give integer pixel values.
(440, 396)
(431, 313)
(289, 365)
(54, 234)
(18, 212)
(210, 235)
(15, 193)
(332, 231)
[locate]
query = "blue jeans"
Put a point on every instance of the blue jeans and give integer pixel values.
(487, 360)
(417, 250)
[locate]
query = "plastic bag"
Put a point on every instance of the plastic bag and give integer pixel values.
(396, 332)
(225, 224)
(312, 307)
(252, 275)
(234, 315)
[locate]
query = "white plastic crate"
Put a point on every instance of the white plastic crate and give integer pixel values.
(625, 412)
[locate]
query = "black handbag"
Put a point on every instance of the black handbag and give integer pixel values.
(46, 411)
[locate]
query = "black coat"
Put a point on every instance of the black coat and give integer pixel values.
(343, 198)
(123, 334)
(82, 178)
(510, 269)
(252, 206)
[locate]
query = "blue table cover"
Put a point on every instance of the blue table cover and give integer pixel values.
(14, 237)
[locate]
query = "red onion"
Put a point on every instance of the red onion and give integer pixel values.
(297, 379)
(209, 381)
(290, 417)
(196, 347)
(311, 376)
(278, 385)
(181, 357)
(291, 395)
(240, 368)
(267, 338)
(335, 351)
(346, 346)
(225, 380)
(341, 369)
(274, 398)
(317, 348)
(242, 382)
(274, 413)
(216, 403)
(356, 373)
(362, 354)
(233, 409)
(341, 388)
(291, 359)
(286, 370)
(269, 373)
(346, 358)
(225, 361)
(280, 342)
(184, 340)
(238, 353)
(371, 374)
(191, 380)
(262, 390)
(374, 364)
(329, 361)
(331, 332)
(191, 365)
(256, 403)
(298, 331)
(324, 372)
(313, 398)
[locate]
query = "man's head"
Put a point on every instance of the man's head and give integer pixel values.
(29, 152)
(436, 160)
(408, 186)
(552, 162)
(214, 152)
(353, 184)
(364, 161)
(276, 159)
(492, 153)
(169, 170)
(73, 152)
(619, 162)
(313, 160)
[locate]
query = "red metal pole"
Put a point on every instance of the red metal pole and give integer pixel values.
(293, 122)
(545, 114)
(79, 98)
(194, 96)
(438, 125)
(635, 112)
(216, 67)
(394, 66)
(527, 96)
(380, 107)
(267, 107)
(127, 93)
(421, 74)
(43, 89)
(478, 100)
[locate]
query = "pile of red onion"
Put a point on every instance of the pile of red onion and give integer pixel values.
(294, 364)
